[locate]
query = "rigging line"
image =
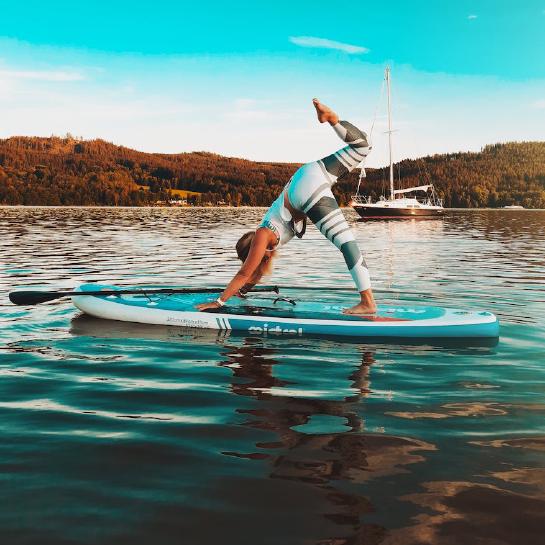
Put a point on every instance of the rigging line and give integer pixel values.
(362, 169)
(377, 108)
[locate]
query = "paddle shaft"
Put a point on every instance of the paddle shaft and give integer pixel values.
(36, 297)
(166, 291)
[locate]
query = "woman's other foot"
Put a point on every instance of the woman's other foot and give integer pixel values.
(325, 113)
(365, 307)
(361, 309)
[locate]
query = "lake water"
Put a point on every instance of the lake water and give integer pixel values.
(121, 434)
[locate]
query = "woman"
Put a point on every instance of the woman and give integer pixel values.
(307, 195)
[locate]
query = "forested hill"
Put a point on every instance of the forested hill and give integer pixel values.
(68, 171)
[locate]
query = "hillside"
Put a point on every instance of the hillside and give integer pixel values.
(68, 171)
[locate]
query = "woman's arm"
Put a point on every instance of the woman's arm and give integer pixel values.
(246, 273)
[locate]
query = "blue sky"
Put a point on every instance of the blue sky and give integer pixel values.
(237, 78)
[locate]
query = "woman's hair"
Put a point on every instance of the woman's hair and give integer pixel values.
(243, 245)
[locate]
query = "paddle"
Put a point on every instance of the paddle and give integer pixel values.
(36, 297)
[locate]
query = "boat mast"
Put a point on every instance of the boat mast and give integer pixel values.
(387, 77)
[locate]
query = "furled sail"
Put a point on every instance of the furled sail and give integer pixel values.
(409, 189)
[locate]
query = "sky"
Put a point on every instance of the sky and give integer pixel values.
(237, 78)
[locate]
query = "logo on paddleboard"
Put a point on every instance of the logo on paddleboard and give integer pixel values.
(187, 322)
(276, 330)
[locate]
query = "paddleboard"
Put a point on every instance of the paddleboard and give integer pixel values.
(258, 315)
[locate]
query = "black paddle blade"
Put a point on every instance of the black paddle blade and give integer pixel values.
(32, 297)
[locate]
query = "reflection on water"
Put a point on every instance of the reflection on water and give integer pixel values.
(119, 433)
(319, 461)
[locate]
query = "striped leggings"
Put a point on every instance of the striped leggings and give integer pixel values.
(310, 192)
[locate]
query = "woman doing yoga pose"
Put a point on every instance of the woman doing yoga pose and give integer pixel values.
(307, 195)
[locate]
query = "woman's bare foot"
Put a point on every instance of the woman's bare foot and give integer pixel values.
(365, 307)
(361, 309)
(325, 113)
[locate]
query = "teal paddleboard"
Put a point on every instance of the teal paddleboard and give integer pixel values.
(270, 316)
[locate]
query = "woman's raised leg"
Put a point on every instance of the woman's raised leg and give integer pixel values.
(323, 210)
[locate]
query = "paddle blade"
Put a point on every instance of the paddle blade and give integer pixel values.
(32, 297)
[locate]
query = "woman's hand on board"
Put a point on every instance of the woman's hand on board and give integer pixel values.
(208, 306)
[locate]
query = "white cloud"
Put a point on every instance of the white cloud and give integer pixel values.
(470, 17)
(540, 104)
(311, 41)
(42, 75)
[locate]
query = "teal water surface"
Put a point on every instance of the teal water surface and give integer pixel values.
(119, 433)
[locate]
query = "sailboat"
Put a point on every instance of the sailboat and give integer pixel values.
(400, 204)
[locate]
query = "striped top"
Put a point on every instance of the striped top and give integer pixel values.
(278, 219)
